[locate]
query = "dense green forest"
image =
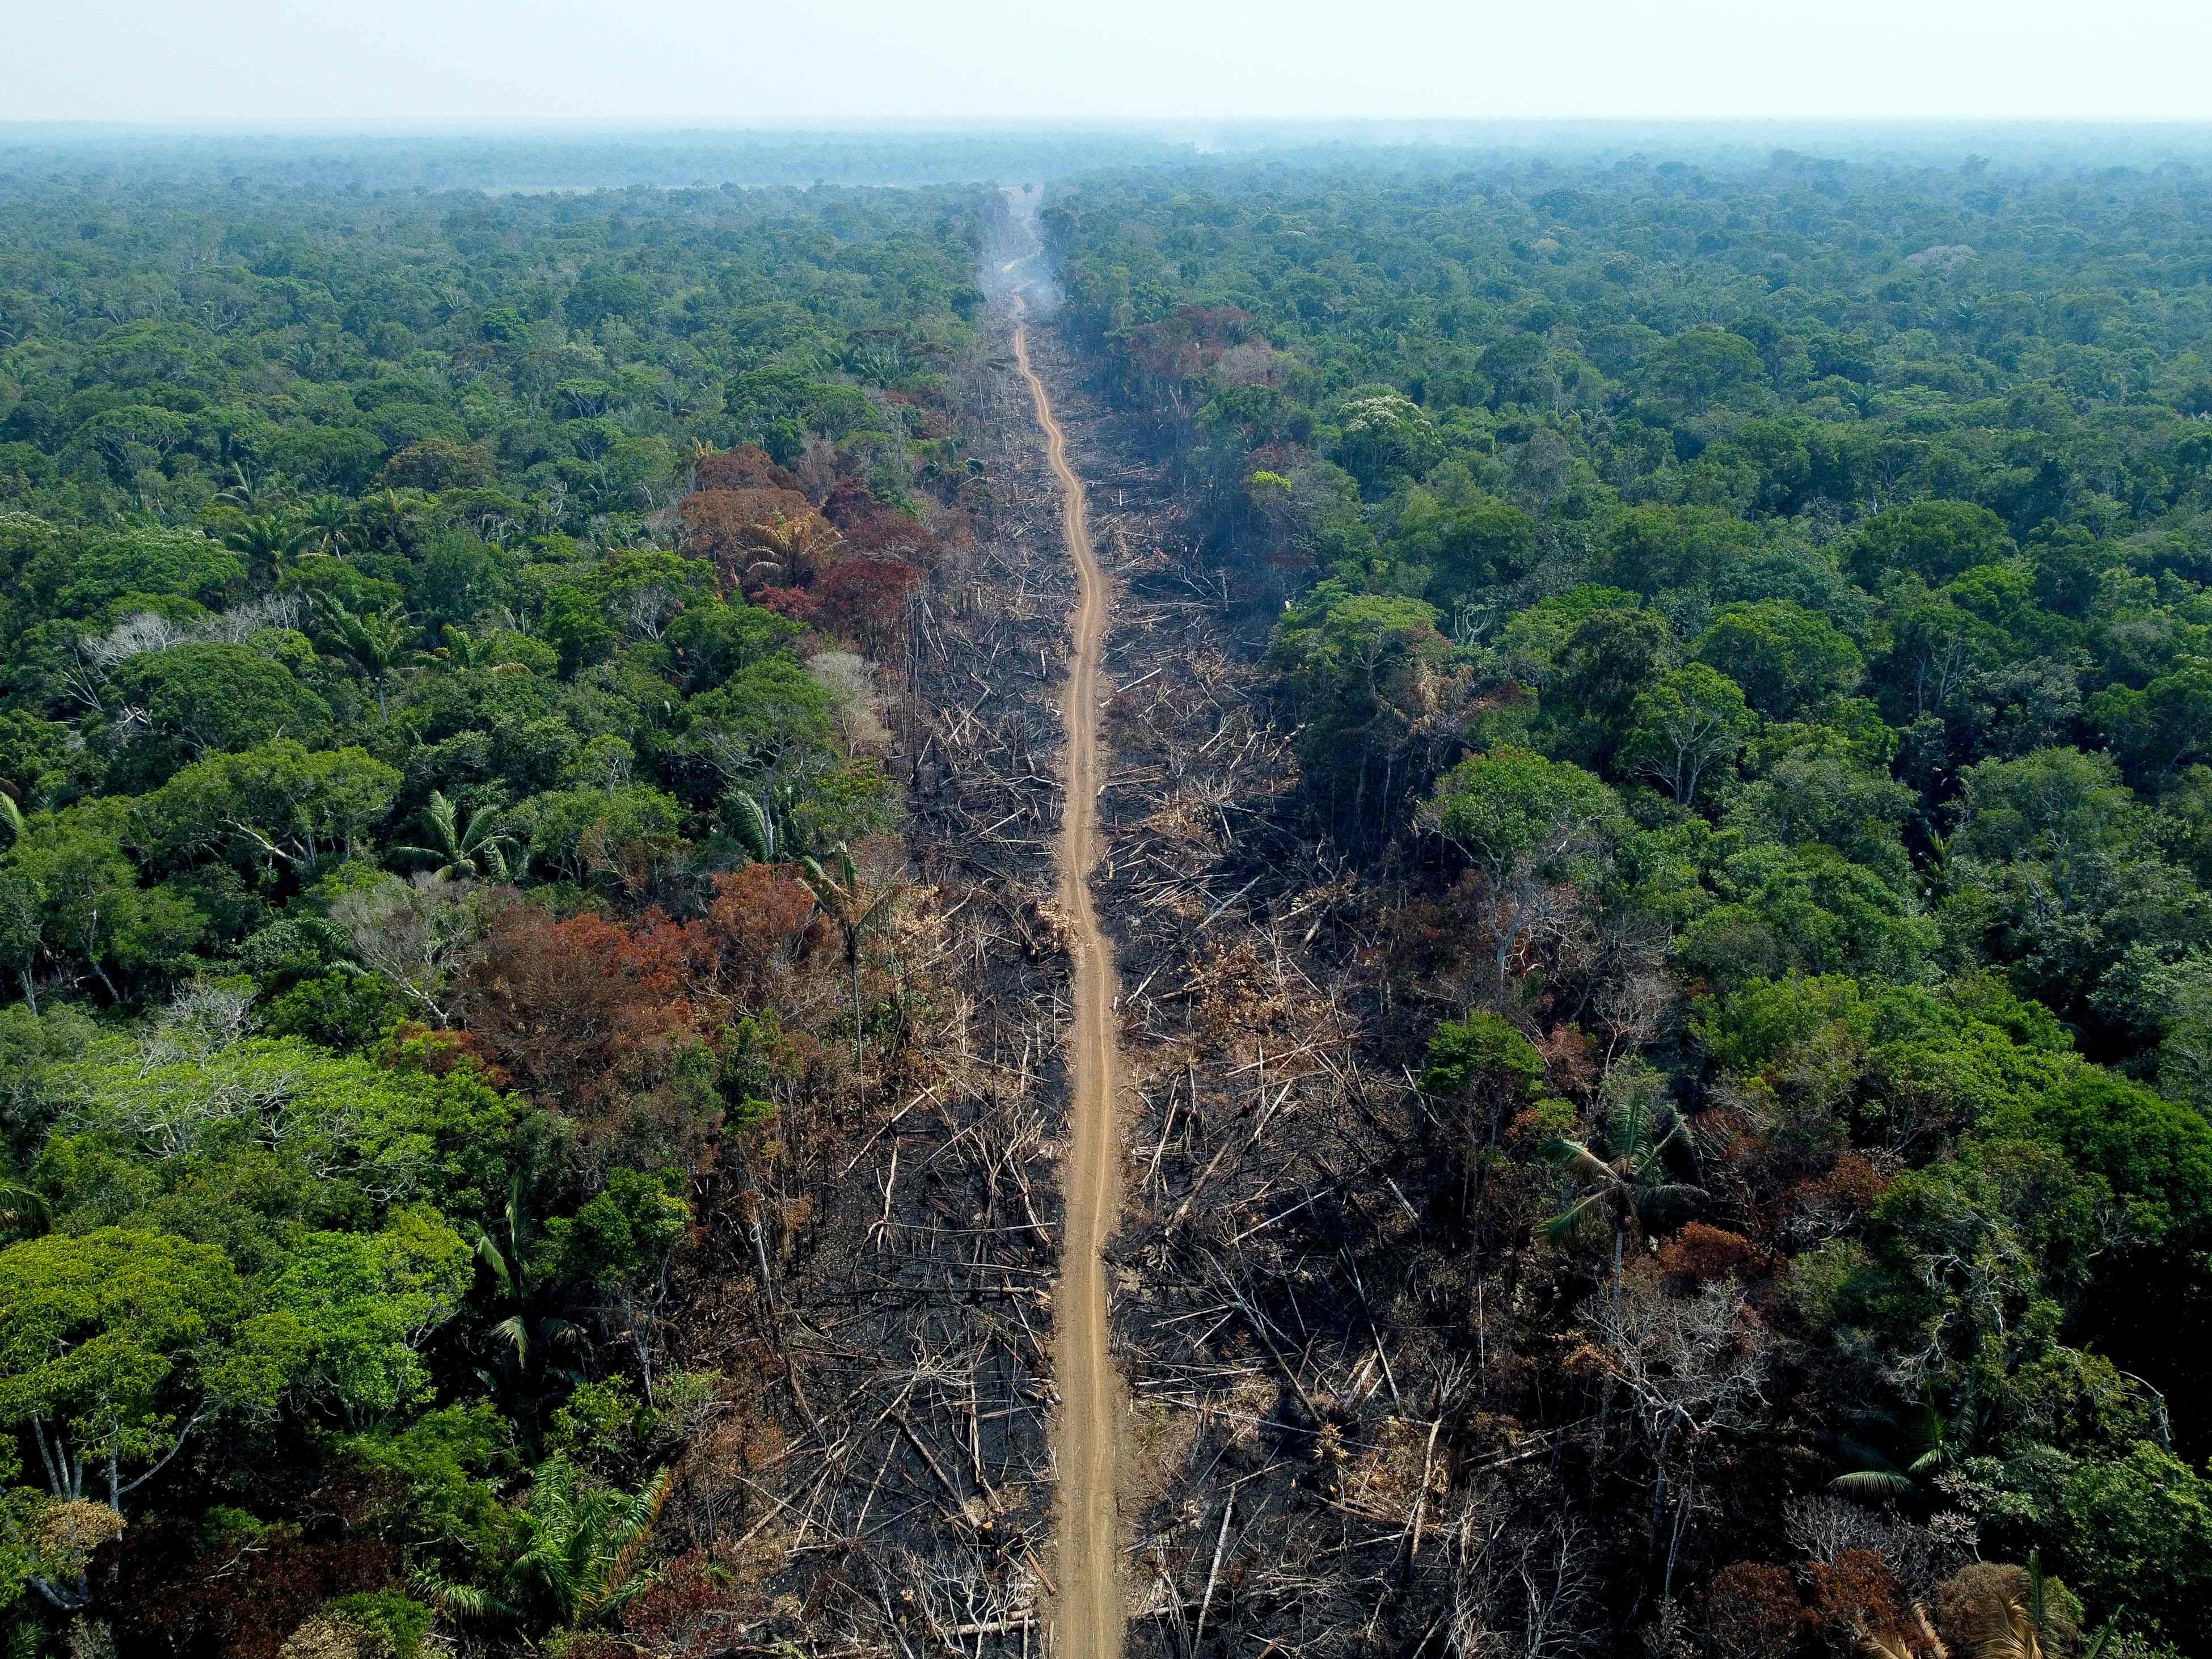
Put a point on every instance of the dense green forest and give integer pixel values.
(441, 743)
(1760, 616)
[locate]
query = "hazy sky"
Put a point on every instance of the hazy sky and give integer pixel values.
(742, 63)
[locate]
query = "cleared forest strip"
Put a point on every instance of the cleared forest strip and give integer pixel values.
(894, 1285)
(1280, 1315)
(1092, 1608)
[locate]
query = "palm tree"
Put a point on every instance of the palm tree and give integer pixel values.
(11, 816)
(1625, 1176)
(880, 356)
(757, 819)
(586, 1550)
(377, 640)
(2001, 1611)
(1932, 1447)
(24, 1209)
(330, 524)
(479, 847)
(462, 649)
(268, 540)
(249, 493)
(1900, 1644)
(389, 515)
(798, 546)
(583, 1554)
(855, 908)
(532, 1329)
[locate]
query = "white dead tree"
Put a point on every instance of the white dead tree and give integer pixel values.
(1694, 1367)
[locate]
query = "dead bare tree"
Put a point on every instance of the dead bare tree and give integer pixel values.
(1694, 1369)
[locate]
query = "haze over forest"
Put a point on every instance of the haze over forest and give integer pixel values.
(1207, 832)
(244, 62)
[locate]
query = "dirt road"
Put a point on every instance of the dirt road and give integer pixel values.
(1091, 1614)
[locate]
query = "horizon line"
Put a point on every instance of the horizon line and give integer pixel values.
(979, 125)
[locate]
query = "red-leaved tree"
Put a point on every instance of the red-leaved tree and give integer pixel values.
(595, 1016)
(866, 600)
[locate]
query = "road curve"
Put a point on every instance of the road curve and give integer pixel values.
(1091, 1612)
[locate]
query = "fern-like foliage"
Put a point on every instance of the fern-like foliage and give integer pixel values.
(585, 1553)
